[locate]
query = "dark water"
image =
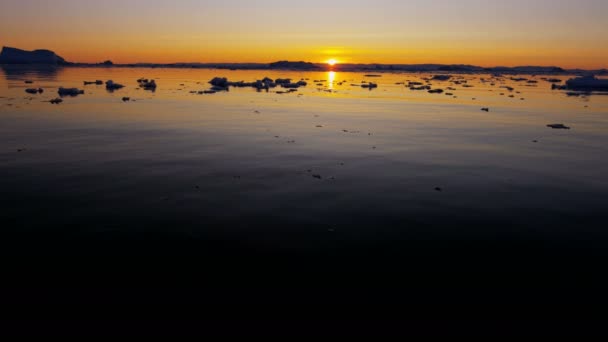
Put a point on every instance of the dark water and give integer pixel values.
(399, 196)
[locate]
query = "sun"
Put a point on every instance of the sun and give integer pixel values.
(332, 62)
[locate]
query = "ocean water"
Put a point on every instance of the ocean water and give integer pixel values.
(392, 184)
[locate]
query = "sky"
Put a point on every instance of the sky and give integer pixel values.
(566, 33)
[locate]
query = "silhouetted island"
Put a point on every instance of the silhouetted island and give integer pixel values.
(286, 65)
(11, 55)
(585, 83)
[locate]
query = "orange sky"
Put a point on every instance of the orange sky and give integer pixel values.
(487, 33)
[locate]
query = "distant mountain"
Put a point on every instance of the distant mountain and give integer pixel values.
(446, 68)
(406, 67)
(294, 65)
(459, 67)
(600, 72)
(16, 56)
(527, 69)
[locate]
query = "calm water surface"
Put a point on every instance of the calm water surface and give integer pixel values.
(330, 170)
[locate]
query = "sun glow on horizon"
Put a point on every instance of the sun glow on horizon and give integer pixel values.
(489, 33)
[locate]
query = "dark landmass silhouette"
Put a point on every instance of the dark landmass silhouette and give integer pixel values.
(294, 65)
(11, 55)
(46, 57)
(585, 83)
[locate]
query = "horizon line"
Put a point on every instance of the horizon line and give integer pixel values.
(337, 66)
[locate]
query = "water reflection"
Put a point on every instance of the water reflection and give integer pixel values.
(37, 72)
(356, 162)
(331, 77)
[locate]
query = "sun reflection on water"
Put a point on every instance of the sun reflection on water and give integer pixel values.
(331, 77)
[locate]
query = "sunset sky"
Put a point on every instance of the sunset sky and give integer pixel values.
(566, 33)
